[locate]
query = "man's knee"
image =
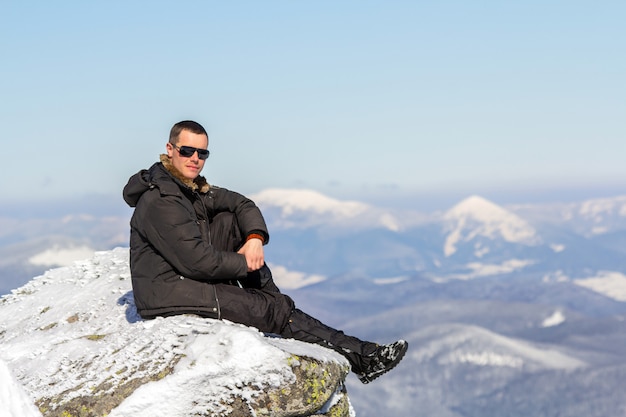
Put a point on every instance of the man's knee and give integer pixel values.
(266, 310)
(225, 233)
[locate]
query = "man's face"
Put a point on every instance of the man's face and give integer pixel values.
(190, 167)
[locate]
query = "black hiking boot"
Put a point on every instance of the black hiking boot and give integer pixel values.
(383, 360)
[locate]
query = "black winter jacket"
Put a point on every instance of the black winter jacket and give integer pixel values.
(173, 256)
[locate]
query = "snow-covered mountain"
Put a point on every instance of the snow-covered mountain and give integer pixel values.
(307, 209)
(476, 219)
(470, 344)
(588, 218)
(473, 239)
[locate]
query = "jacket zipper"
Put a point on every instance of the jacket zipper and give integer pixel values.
(208, 228)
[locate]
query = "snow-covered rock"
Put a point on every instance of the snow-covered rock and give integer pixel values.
(13, 400)
(72, 342)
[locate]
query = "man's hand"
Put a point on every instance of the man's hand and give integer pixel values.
(253, 251)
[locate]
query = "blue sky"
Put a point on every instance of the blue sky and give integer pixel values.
(353, 98)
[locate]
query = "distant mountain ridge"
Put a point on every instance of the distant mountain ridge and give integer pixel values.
(314, 237)
(302, 209)
(474, 238)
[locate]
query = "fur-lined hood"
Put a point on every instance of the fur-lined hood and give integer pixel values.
(199, 184)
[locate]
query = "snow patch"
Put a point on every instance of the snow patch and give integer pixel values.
(557, 247)
(480, 250)
(554, 320)
(291, 280)
(608, 283)
(391, 280)
(602, 213)
(556, 276)
(14, 402)
(482, 270)
(485, 359)
(597, 208)
(389, 222)
(599, 230)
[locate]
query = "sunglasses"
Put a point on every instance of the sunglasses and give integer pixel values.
(188, 151)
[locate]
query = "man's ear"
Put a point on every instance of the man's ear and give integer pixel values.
(170, 149)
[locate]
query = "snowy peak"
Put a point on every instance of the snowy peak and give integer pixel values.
(297, 200)
(477, 217)
(299, 208)
(479, 209)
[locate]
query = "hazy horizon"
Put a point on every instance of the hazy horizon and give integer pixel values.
(390, 197)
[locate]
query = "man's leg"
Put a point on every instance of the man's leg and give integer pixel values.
(273, 312)
(368, 360)
(224, 232)
(303, 327)
(266, 310)
(261, 280)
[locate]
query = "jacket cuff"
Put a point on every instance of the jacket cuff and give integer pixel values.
(257, 234)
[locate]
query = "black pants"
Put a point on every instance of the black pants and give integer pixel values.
(261, 304)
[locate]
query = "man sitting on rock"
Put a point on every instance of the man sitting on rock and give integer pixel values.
(197, 248)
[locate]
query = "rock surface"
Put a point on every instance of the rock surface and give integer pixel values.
(74, 340)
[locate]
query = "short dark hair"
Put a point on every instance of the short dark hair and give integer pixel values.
(190, 125)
